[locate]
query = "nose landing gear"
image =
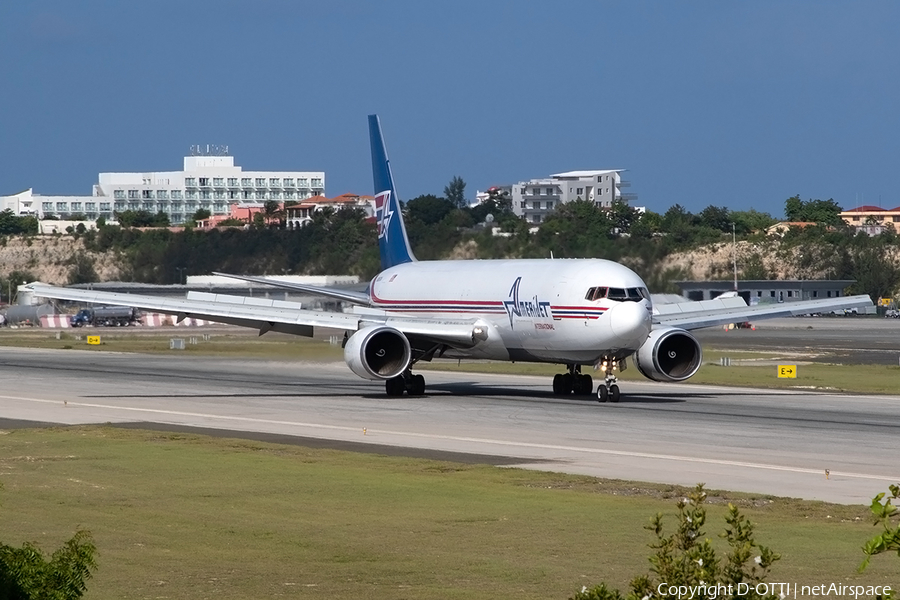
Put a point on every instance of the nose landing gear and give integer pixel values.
(609, 389)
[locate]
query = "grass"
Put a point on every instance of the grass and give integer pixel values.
(189, 516)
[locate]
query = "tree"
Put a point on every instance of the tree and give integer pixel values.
(455, 192)
(201, 214)
(273, 212)
(686, 557)
(827, 212)
(716, 217)
(889, 539)
(82, 270)
(25, 574)
(429, 209)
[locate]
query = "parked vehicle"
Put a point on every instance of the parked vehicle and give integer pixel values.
(106, 316)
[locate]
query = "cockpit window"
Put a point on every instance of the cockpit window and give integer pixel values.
(596, 293)
(618, 294)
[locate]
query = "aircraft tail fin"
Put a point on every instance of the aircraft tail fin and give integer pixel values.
(392, 240)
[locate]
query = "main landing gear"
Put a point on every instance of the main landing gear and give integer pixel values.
(414, 385)
(572, 382)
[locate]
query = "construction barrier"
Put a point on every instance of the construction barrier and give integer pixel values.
(161, 320)
(55, 321)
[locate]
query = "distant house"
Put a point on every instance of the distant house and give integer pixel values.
(295, 215)
(300, 214)
(782, 227)
(872, 220)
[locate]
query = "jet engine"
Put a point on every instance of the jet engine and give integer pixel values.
(669, 354)
(377, 352)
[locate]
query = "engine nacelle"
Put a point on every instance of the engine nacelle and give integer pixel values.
(669, 354)
(377, 352)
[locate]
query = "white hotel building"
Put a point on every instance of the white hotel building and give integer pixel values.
(534, 200)
(210, 182)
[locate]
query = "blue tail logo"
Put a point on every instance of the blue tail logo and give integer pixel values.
(392, 240)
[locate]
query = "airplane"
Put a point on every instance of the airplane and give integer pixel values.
(573, 312)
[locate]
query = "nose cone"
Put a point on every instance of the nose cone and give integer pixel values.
(630, 322)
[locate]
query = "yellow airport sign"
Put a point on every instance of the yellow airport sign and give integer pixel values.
(789, 371)
(93, 340)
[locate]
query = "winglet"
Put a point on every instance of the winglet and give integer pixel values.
(392, 240)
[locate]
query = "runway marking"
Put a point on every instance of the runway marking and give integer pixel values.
(504, 443)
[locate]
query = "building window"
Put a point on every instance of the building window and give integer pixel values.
(219, 181)
(76, 206)
(246, 182)
(536, 218)
(316, 183)
(219, 194)
(549, 191)
(260, 195)
(579, 192)
(105, 206)
(134, 194)
(274, 181)
(162, 194)
(163, 206)
(302, 182)
(190, 181)
(815, 293)
(120, 206)
(260, 182)
(232, 195)
(289, 195)
(176, 195)
(191, 194)
(146, 193)
(247, 195)
(47, 206)
(119, 194)
(204, 182)
(62, 206)
(549, 204)
(288, 182)
(536, 205)
(205, 194)
(232, 182)
(275, 195)
(147, 206)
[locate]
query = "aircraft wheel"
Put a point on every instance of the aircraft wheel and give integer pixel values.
(566, 383)
(602, 393)
(416, 385)
(587, 384)
(613, 393)
(557, 384)
(395, 386)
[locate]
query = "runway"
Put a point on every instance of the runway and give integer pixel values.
(762, 441)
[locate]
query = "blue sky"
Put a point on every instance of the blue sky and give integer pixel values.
(740, 104)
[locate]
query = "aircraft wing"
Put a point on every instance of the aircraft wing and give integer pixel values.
(361, 298)
(274, 315)
(708, 313)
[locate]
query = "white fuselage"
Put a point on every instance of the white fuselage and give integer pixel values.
(534, 310)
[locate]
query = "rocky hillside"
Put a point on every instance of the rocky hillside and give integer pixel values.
(51, 258)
